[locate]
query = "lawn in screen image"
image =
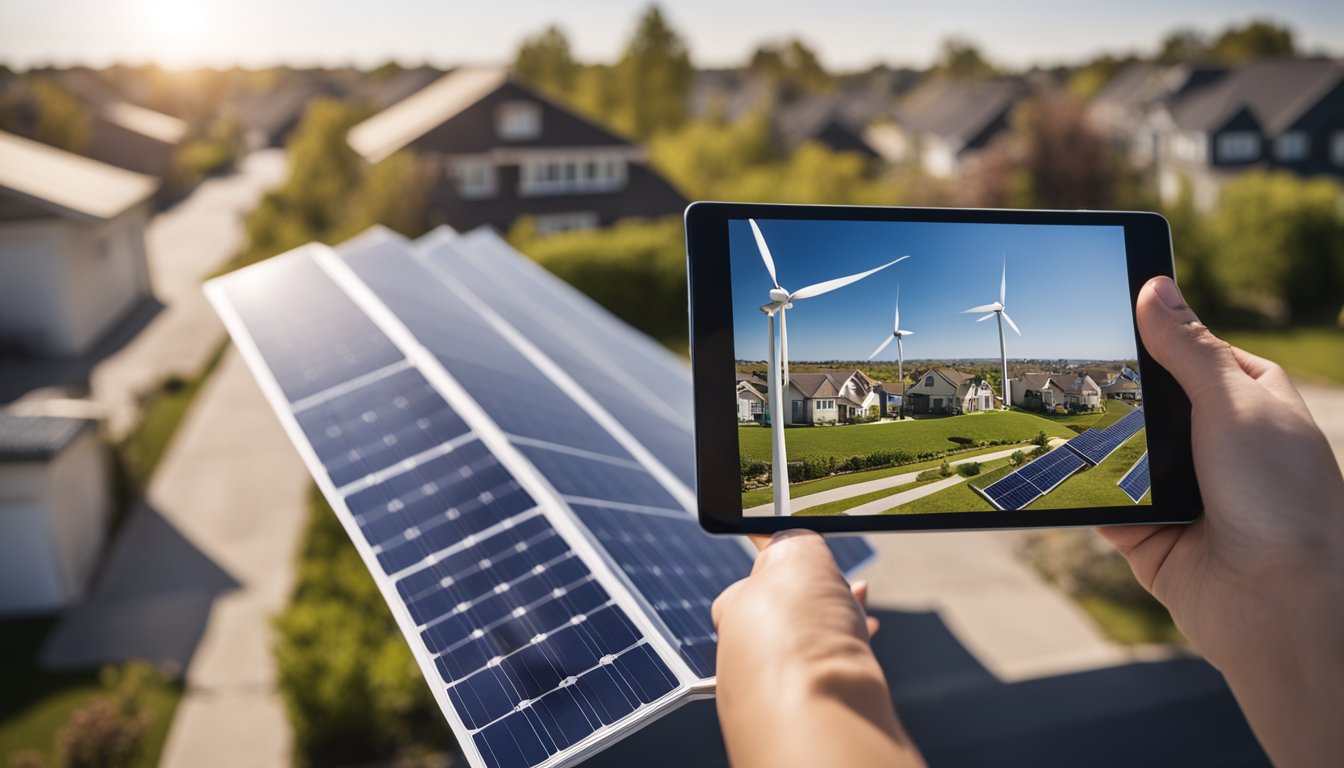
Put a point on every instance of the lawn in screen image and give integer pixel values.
(934, 367)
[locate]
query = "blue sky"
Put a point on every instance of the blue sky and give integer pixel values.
(1067, 289)
(848, 34)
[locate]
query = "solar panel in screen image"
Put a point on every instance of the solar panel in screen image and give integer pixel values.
(1023, 486)
(1096, 445)
(1136, 481)
(540, 553)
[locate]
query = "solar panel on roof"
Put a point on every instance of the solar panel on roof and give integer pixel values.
(521, 502)
(1136, 481)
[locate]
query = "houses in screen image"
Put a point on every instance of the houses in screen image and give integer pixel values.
(832, 397)
(949, 391)
(500, 151)
(752, 397)
(1048, 391)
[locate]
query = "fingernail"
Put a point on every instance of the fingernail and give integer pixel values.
(1168, 292)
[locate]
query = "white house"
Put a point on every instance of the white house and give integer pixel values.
(1044, 391)
(752, 402)
(72, 249)
(944, 390)
(830, 397)
(54, 509)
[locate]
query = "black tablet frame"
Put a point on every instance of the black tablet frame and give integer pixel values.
(1148, 249)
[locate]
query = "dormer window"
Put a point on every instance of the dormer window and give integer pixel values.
(518, 120)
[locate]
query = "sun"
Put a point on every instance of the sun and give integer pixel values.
(176, 21)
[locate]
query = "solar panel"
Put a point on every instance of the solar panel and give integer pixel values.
(1095, 445)
(524, 502)
(1023, 486)
(1136, 481)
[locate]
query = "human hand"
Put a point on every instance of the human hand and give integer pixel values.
(797, 680)
(1257, 582)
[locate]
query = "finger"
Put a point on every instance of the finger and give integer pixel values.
(722, 604)
(1202, 363)
(860, 590)
(1126, 537)
(1272, 377)
(802, 550)
(873, 626)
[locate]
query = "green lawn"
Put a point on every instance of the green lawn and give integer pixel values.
(35, 703)
(765, 494)
(1111, 412)
(1096, 486)
(1308, 353)
(958, 498)
(911, 436)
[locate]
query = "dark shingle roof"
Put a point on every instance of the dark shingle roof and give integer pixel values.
(959, 110)
(1132, 87)
(37, 438)
(1275, 91)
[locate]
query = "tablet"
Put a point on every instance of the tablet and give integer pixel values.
(869, 369)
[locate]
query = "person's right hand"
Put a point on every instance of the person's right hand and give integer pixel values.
(1257, 582)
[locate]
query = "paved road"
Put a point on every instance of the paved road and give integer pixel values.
(881, 505)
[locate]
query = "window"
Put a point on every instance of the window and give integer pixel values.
(568, 174)
(825, 405)
(928, 380)
(1238, 146)
(1337, 148)
(1292, 146)
(559, 222)
(518, 120)
(475, 177)
(757, 407)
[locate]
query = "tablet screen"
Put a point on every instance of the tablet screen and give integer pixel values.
(902, 368)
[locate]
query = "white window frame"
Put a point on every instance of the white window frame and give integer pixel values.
(1239, 147)
(518, 120)
(568, 173)
(1337, 148)
(1293, 146)
(474, 177)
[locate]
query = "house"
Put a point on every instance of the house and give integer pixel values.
(752, 397)
(1121, 109)
(72, 249)
(944, 390)
(1046, 391)
(832, 397)
(1275, 114)
(501, 151)
(893, 393)
(946, 122)
(54, 510)
(1122, 388)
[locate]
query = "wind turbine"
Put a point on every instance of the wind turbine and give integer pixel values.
(781, 301)
(998, 310)
(897, 334)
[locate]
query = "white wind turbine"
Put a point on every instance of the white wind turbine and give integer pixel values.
(998, 310)
(897, 334)
(781, 301)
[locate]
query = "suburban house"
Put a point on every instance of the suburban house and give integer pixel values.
(1122, 107)
(72, 249)
(1208, 126)
(1122, 388)
(1045, 391)
(752, 393)
(54, 510)
(943, 122)
(501, 151)
(944, 390)
(893, 392)
(832, 397)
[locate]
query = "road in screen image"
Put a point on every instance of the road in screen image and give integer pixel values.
(892, 342)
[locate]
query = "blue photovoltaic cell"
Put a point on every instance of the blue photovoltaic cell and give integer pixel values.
(1095, 445)
(1020, 488)
(849, 551)
(1136, 481)
(613, 479)
(289, 303)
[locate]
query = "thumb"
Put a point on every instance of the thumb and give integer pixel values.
(1202, 363)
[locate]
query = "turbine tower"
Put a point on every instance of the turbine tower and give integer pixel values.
(997, 309)
(781, 301)
(897, 334)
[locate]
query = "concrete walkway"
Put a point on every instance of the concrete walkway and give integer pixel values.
(881, 505)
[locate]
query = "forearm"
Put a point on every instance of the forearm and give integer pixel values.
(834, 710)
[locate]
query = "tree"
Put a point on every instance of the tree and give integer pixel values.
(61, 120)
(792, 62)
(1256, 40)
(545, 62)
(654, 78)
(1182, 46)
(961, 59)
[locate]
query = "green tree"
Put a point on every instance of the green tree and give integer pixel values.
(1182, 46)
(792, 62)
(545, 62)
(1256, 40)
(962, 59)
(704, 158)
(61, 119)
(654, 78)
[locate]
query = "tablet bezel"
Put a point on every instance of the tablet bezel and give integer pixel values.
(1148, 252)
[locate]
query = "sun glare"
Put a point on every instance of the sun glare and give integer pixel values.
(177, 26)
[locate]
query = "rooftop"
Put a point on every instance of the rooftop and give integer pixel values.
(69, 184)
(414, 116)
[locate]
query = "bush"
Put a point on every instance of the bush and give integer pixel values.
(959, 440)
(969, 469)
(929, 474)
(944, 469)
(1017, 459)
(1040, 440)
(109, 731)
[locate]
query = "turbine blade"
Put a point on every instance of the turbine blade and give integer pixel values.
(906, 333)
(1010, 322)
(1003, 282)
(881, 347)
(818, 289)
(765, 251)
(896, 323)
(983, 319)
(981, 308)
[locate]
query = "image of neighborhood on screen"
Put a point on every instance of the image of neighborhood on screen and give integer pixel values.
(915, 367)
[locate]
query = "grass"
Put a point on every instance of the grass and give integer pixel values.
(764, 494)
(35, 703)
(1315, 354)
(910, 436)
(958, 498)
(838, 507)
(1131, 623)
(1097, 486)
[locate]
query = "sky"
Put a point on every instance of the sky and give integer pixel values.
(849, 34)
(1068, 289)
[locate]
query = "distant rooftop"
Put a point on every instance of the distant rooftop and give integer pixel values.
(36, 438)
(66, 183)
(1276, 92)
(414, 116)
(147, 122)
